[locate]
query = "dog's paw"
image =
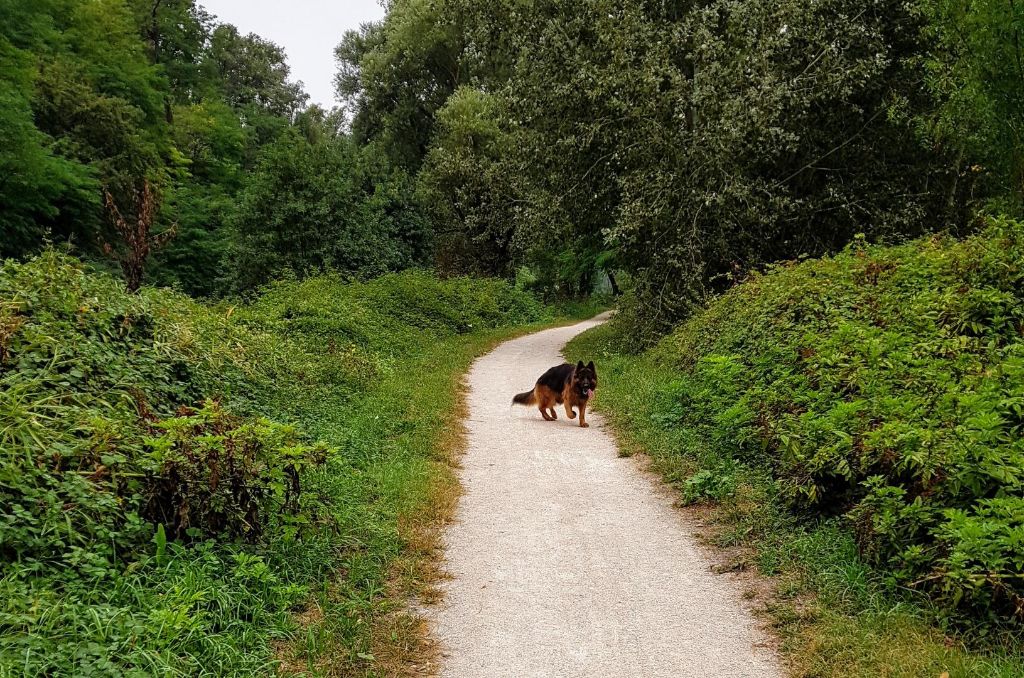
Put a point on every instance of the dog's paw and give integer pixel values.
(584, 424)
(571, 414)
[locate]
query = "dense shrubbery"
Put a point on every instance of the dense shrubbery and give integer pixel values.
(315, 201)
(884, 385)
(163, 497)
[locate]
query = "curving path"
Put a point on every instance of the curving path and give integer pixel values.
(566, 560)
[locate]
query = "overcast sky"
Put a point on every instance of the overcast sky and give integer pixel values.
(308, 30)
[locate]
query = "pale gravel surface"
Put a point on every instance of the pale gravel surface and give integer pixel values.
(565, 558)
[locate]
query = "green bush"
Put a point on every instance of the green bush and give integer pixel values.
(210, 473)
(885, 385)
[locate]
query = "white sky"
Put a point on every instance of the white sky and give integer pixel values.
(308, 30)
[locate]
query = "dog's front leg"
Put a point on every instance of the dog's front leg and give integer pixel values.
(569, 412)
(583, 416)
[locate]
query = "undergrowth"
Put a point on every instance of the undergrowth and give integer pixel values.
(218, 490)
(856, 420)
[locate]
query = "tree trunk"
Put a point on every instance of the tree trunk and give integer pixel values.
(615, 287)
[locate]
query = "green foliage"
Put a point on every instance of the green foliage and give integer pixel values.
(252, 74)
(214, 145)
(176, 478)
(80, 107)
(694, 141)
(215, 474)
(369, 329)
(313, 204)
(106, 95)
(974, 73)
(98, 442)
(709, 484)
(92, 377)
(883, 385)
(983, 553)
(466, 186)
(682, 144)
(36, 177)
(395, 76)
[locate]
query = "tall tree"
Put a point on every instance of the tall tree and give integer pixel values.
(253, 73)
(34, 177)
(395, 76)
(177, 34)
(685, 141)
(975, 72)
(96, 108)
(467, 187)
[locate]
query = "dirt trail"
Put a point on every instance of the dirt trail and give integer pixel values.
(566, 560)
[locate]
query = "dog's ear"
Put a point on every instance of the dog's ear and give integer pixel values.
(590, 366)
(579, 365)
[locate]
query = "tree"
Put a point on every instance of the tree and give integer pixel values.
(315, 202)
(687, 142)
(213, 143)
(394, 76)
(33, 177)
(467, 186)
(975, 72)
(253, 74)
(176, 34)
(136, 236)
(82, 106)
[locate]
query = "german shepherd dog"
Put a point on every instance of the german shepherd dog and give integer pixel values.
(564, 383)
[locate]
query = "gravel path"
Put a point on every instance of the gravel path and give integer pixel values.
(565, 558)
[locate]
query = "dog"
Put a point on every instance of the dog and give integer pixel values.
(573, 386)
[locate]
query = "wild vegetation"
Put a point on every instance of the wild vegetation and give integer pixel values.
(858, 418)
(177, 479)
(106, 102)
(178, 476)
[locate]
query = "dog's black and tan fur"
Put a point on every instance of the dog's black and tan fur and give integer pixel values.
(563, 384)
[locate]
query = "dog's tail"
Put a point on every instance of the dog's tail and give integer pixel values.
(525, 398)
